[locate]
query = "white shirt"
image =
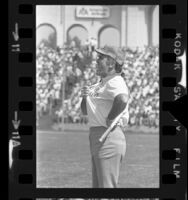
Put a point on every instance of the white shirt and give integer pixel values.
(101, 98)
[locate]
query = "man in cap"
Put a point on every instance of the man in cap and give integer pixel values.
(103, 102)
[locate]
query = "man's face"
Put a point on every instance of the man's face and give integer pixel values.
(103, 68)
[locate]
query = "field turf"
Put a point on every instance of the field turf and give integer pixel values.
(63, 160)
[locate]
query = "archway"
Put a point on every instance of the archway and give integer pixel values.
(109, 35)
(78, 34)
(47, 34)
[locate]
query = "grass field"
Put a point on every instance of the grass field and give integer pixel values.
(63, 160)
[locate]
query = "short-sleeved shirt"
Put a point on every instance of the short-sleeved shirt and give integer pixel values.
(101, 98)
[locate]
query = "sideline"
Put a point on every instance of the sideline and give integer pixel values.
(85, 128)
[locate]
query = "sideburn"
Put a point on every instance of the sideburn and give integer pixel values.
(110, 63)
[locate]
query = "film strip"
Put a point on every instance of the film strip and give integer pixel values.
(22, 107)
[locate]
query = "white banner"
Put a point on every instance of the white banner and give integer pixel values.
(92, 11)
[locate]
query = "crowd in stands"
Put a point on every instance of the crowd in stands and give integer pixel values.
(62, 72)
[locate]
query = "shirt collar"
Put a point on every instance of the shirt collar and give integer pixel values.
(104, 80)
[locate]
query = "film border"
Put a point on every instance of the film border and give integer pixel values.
(22, 106)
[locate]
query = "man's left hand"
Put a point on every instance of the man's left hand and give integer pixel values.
(109, 122)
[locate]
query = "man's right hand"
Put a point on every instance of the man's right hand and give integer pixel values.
(85, 91)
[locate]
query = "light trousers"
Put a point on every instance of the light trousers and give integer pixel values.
(106, 157)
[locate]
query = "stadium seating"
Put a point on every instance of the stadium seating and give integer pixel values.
(62, 72)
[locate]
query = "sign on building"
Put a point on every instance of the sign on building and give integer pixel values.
(92, 12)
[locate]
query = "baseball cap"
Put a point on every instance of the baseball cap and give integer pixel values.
(114, 52)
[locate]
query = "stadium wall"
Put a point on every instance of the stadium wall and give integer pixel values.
(137, 25)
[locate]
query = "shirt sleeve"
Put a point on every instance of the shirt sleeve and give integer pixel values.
(116, 86)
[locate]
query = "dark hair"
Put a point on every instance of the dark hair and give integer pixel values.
(118, 67)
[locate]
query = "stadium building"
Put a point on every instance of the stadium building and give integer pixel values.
(126, 26)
